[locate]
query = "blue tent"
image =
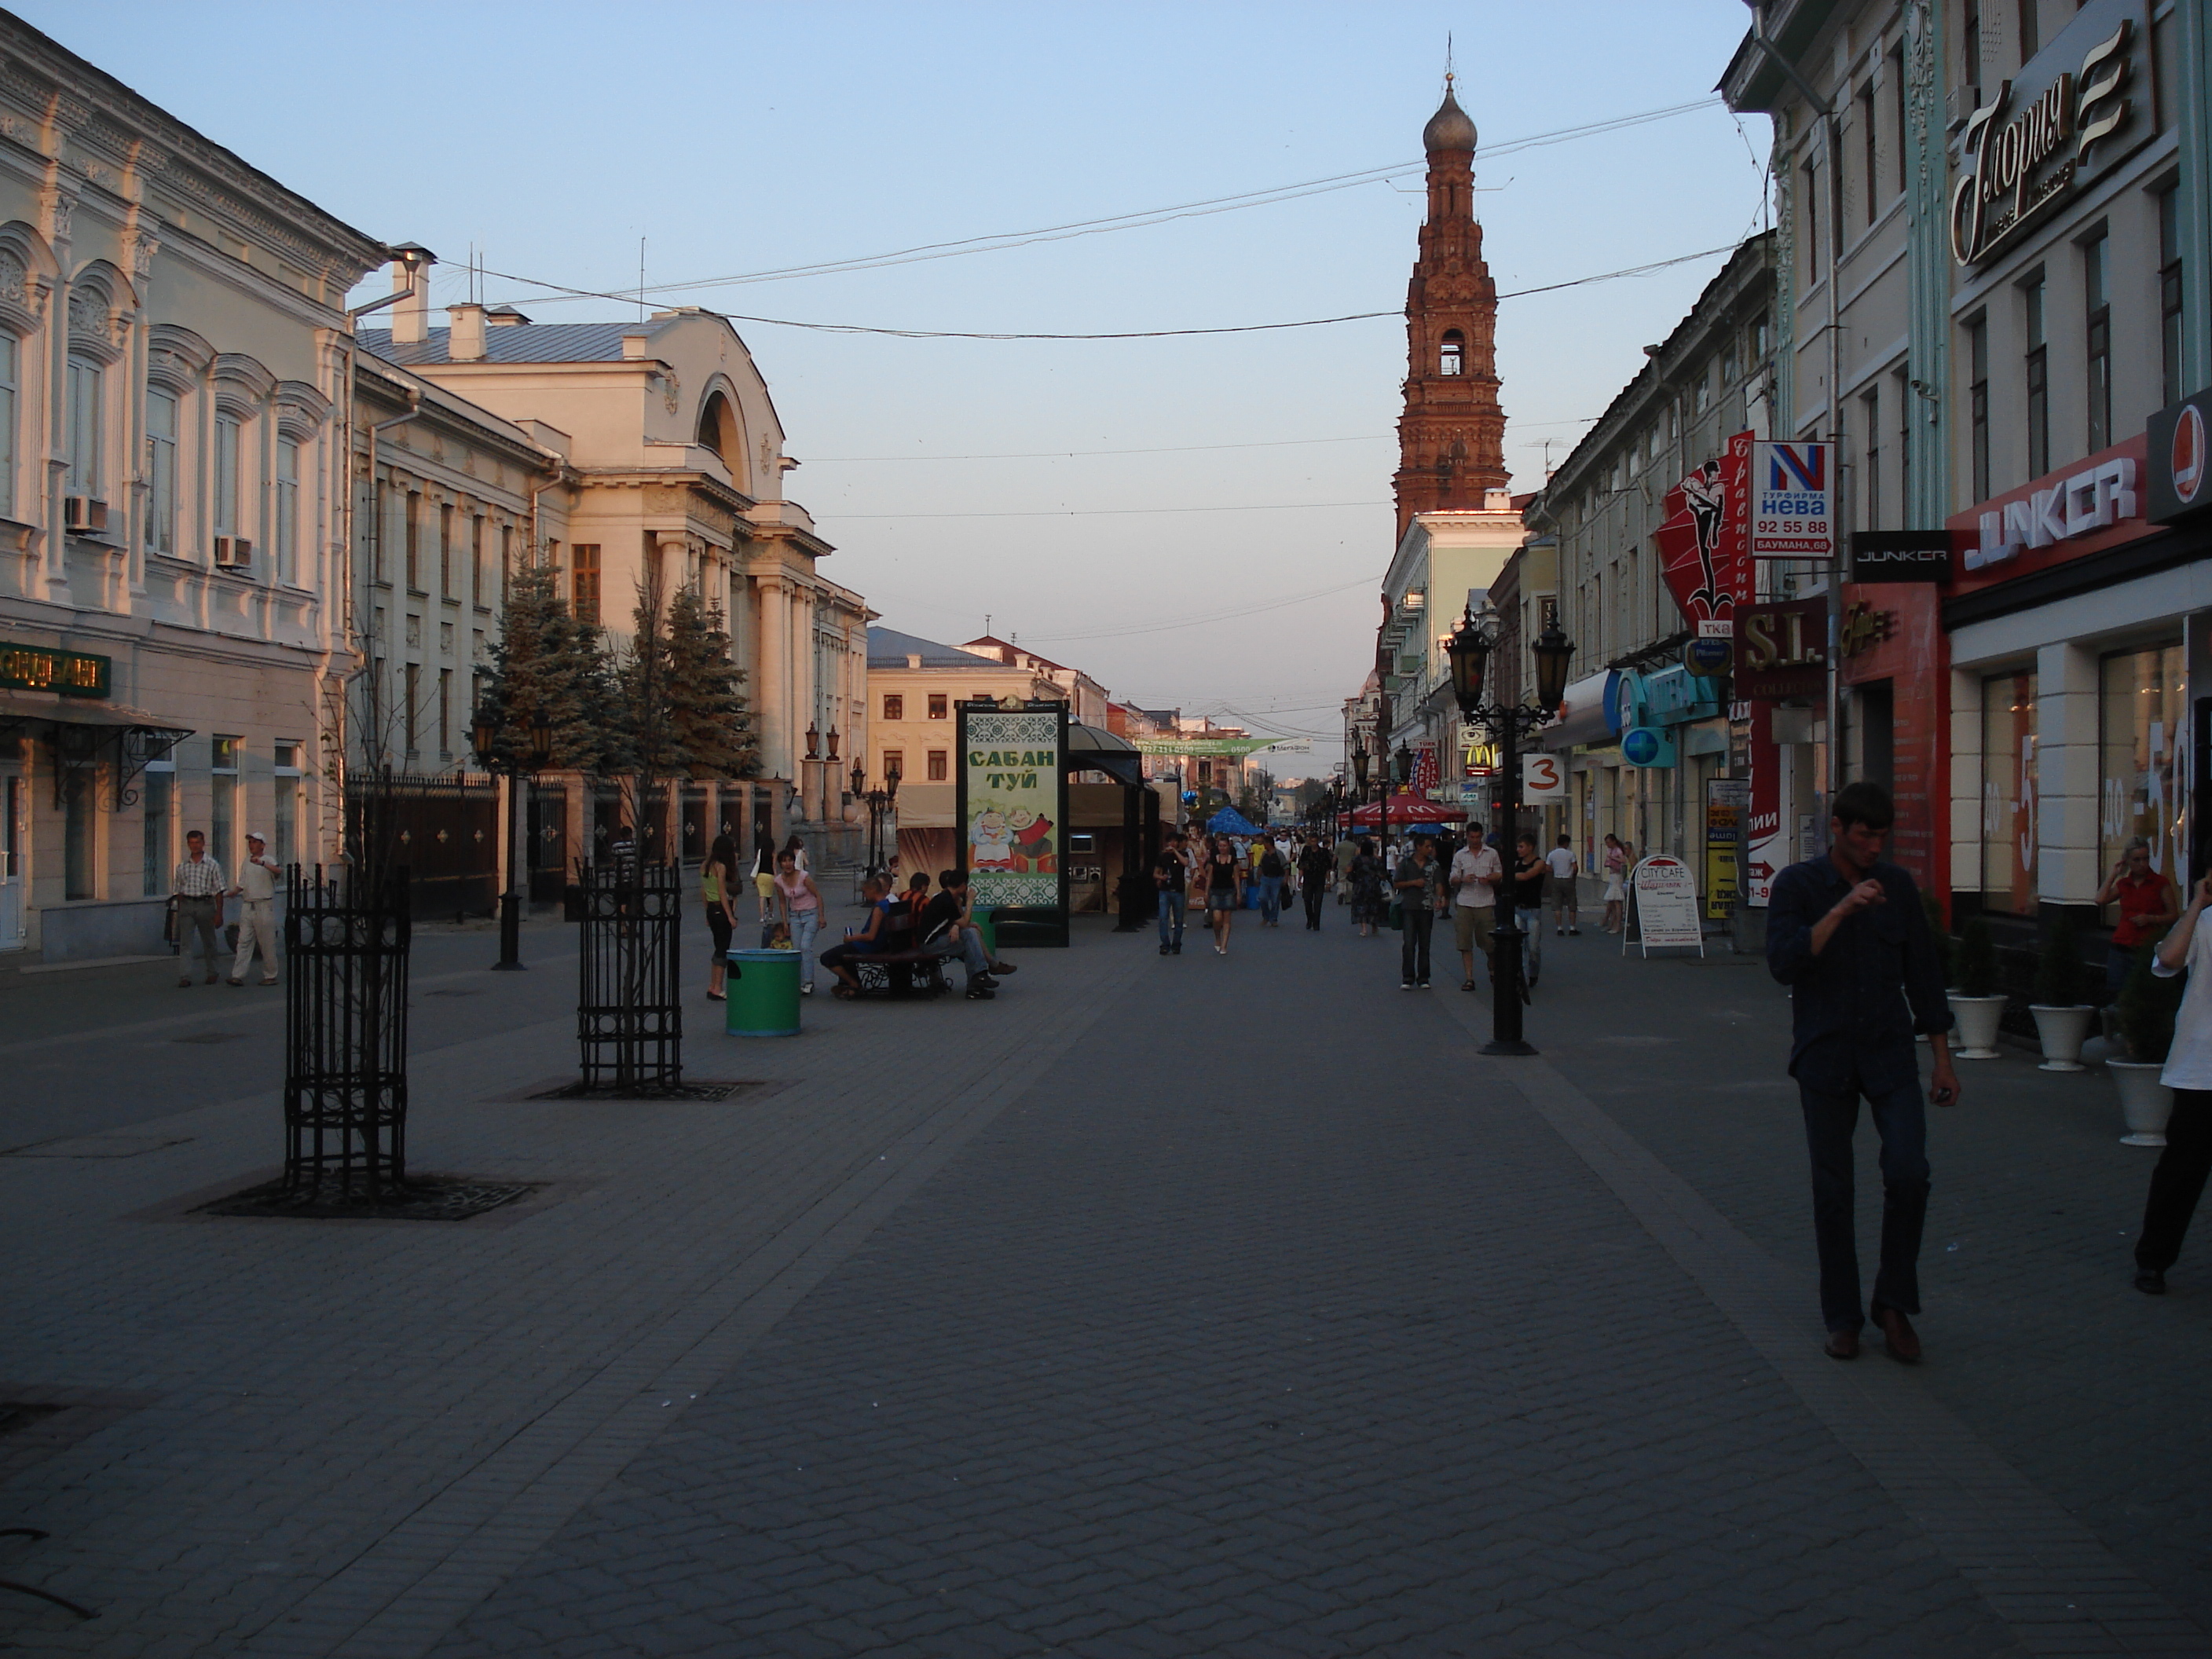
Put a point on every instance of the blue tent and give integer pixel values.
(1231, 822)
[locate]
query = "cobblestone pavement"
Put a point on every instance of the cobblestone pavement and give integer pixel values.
(1189, 1306)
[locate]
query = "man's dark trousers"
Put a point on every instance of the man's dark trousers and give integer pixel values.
(2178, 1181)
(1831, 1118)
(1413, 955)
(1315, 893)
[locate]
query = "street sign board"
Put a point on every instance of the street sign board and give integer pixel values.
(1665, 897)
(1011, 803)
(1900, 555)
(1782, 650)
(1543, 779)
(1728, 803)
(1793, 501)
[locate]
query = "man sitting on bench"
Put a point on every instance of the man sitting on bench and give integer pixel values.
(869, 941)
(946, 931)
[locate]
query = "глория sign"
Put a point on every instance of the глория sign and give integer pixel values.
(2078, 107)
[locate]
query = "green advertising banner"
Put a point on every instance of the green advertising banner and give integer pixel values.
(1204, 745)
(1013, 804)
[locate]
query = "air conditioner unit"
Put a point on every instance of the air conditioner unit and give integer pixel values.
(1963, 101)
(233, 552)
(84, 513)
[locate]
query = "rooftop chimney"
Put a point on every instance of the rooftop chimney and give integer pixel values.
(464, 341)
(410, 318)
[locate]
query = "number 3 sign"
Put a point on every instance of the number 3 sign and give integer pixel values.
(1543, 779)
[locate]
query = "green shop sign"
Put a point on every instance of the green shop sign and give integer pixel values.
(36, 668)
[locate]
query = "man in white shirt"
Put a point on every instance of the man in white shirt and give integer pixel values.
(256, 912)
(1475, 873)
(1564, 869)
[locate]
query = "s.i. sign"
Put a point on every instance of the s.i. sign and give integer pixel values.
(1792, 500)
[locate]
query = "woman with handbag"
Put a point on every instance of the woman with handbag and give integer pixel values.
(717, 876)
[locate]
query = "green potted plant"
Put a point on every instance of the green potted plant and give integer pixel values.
(1977, 1004)
(2062, 1008)
(2148, 1006)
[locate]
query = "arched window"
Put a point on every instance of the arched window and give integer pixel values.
(719, 431)
(1453, 357)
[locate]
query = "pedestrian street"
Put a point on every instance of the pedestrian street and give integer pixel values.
(1192, 1304)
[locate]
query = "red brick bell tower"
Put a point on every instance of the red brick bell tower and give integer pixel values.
(1451, 439)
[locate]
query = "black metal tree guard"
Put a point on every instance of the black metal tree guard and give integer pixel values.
(346, 1051)
(629, 1011)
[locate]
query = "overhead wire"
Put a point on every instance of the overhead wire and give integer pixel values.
(1645, 270)
(1003, 241)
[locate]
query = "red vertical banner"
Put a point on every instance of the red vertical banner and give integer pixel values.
(1732, 557)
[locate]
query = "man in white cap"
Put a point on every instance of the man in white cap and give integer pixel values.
(257, 914)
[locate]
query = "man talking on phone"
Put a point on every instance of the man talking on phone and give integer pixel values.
(1848, 935)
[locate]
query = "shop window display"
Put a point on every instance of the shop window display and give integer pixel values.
(2008, 794)
(2141, 720)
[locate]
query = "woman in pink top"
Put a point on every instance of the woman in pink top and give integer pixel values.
(798, 906)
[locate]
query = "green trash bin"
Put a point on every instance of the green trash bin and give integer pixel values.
(986, 926)
(762, 989)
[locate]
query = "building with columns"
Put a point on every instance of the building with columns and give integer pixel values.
(173, 354)
(672, 463)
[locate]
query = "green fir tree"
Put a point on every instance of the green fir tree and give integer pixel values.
(709, 728)
(545, 660)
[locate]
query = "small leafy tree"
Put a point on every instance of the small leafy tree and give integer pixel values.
(2058, 973)
(2148, 1006)
(1977, 959)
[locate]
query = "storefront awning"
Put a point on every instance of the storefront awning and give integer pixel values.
(1090, 749)
(81, 733)
(1587, 703)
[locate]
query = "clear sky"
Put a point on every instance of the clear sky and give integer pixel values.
(741, 138)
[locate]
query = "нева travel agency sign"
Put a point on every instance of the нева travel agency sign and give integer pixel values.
(1013, 793)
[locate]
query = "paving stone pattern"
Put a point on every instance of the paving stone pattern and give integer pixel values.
(1194, 1306)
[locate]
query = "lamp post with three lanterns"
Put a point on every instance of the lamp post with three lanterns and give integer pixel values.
(1469, 648)
(880, 802)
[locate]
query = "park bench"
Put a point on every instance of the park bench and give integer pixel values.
(901, 973)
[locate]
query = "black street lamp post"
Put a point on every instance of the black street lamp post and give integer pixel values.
(880, 802)
(487, 728)
(1469, 648)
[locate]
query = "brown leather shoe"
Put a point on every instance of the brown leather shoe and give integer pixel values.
(1842, 1344)
(1897, 1335)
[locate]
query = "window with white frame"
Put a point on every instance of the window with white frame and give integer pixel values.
(286, 537)
(84, 456)
(163, 413)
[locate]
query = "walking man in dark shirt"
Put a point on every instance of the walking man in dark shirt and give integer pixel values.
(1315, 869)
(1171, 874)
(1847, 934)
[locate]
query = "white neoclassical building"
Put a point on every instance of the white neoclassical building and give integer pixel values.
(671, 464)
(172, 400)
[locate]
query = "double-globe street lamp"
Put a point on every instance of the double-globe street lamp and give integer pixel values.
(1469, 649)
(486, 728)
(880, 802)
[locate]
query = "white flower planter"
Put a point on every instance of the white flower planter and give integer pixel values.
(2145, 1103)
(2063, 1030)
(1977, 1019)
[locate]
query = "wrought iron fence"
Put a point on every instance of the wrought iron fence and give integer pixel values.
(629, 1013)
(345, 1040)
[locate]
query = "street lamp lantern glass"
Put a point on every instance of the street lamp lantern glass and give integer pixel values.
(859, 777)
(891, 783)
(1468, 650)
(541, 736)
(486, 732)
(1404, 770)
(1554, 651)
(1359, 766)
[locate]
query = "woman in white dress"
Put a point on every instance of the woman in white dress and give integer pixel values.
(1616, 883)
